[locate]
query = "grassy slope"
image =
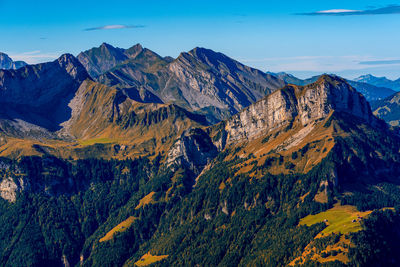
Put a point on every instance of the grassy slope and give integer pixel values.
(148, 259)
(339, 219)
(119, 228)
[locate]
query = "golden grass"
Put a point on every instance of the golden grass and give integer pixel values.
(339, 219)
(148, 259)
(310, 251)
(93, 141)
(148, 199)
(321, 197)
(118, 229)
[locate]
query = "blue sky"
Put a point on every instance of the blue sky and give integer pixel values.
(348, 38)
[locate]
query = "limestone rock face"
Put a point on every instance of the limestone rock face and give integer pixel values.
(193, 150)
(9, 188)
(207, 78)
(306, 104)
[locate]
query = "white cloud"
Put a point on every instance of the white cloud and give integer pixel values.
(34, 57)
(387, 10)
(113, 27)
(338, 11)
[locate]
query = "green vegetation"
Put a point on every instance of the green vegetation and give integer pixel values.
(340, 219)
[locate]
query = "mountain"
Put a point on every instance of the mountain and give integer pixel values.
(388, 109)
(101, 59)
(201, 80)
(306, 175)
(123, 168)
(379, 81)
(38, 94)
(7, 63)
(370, 92)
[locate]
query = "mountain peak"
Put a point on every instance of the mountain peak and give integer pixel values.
(106, 45)
(134, 51)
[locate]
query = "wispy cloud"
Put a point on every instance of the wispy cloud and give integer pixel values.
(387, 10)
(114, 27)
(33, 57)
(380, 62)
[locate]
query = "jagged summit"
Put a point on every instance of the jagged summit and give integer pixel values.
(99, 60)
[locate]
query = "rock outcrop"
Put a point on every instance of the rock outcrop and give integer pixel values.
(305, 104)
(193, 150)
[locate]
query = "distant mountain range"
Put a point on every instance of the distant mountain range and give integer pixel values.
(388, 109)
(379, 81)
(201, 80)
(7, 63)
(371, 92)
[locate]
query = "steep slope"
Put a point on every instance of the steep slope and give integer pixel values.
(7, 63)
(388, 109)
(101, 112)
(379, 81)
(370, 91)
(39, 94)
(201, 80)
(306, 104)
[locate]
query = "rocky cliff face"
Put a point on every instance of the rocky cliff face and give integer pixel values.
(193, 150)
(208, 78)
(7, 63)
(39, 94)
(304, 104)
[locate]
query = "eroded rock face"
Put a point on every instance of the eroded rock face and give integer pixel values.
(37, 85)
(193, 150)
(9, 188)
(207, 78)
(306, 104)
